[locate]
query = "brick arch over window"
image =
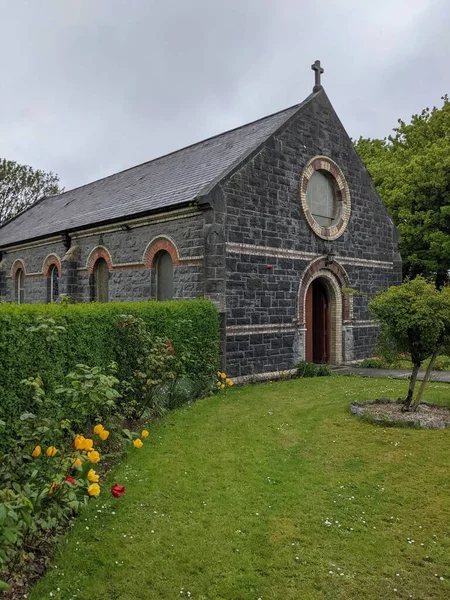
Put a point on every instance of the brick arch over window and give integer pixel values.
(48, 263)
(335, 271)
(155, 246)
(95, 254)
(16, 266)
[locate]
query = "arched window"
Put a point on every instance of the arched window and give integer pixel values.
(20, 286)
(53, 284)
(101, 281)
(164, 276)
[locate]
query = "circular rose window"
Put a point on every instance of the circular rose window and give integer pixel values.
(325, 197)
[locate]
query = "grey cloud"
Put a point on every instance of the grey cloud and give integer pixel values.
(90, 88)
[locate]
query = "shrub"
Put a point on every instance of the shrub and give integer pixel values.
(307, 369)
(146, 388)
(375, 363)
(442, 364)
(89, 395)
(414, 319)
(31, 345)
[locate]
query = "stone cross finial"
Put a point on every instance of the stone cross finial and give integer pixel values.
(318, 72)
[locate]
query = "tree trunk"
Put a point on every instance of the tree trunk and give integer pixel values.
(425, 379)
(412, 383)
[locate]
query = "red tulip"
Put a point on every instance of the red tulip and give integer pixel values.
(170, 347)
(117, 490)
(70, 479)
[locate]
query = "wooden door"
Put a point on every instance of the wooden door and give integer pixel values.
(320, 323)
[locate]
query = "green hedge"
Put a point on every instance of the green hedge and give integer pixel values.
(93, 337)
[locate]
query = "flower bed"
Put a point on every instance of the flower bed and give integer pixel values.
(389, 412)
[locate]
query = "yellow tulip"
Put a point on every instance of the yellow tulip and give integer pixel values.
(36, 452)
(88, 444)
(93, 489)
(98, 429)
(94, 456)
(93, 476)
(103, 435)
(51, 451)
(144, 433)
(223, 386)
(227, 380)
(138, 443)
(77, 462)
(218, 384)
(52, 488)
(223, 375)
(78, 442)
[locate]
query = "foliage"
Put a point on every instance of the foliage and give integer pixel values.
(375, 363)
(49, 473)
(307, 369)
(350, 291)
(403, 361)
(41, 485)
(89, 395)
(153, 368)
(31, 345)
(411, 170)
(248, 478)
(158, 373)
(415, 319)
(21, 186)
(372, 363)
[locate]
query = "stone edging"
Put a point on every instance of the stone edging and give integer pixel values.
(360, 409)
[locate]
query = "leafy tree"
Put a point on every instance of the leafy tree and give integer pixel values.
(21, 186)
(443, 343)
(411, 170)
(415, 319)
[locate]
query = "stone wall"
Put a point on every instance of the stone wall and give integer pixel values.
(255, 353)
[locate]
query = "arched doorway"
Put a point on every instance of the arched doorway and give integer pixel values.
(318, 322)
(320, 300)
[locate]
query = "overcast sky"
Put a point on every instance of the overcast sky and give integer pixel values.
(91, 87)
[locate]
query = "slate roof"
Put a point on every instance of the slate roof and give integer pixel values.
(168, 181)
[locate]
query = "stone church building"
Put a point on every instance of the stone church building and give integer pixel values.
(274, 222)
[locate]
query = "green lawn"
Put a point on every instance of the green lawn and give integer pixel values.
(271, 491)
